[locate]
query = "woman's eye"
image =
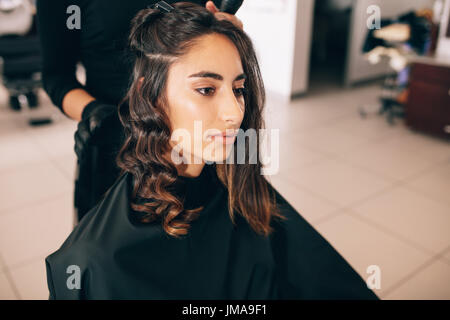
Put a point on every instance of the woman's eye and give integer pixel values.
(209, 91)
(240, 91)
(206, 90)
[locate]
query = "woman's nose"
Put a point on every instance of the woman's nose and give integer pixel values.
(231, 109)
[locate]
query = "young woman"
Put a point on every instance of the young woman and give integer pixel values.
(98, 42)
(183, 221)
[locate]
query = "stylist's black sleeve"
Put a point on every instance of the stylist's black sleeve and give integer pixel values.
(60, 49)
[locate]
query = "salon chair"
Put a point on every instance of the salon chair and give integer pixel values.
(21, 66)
(398, 40)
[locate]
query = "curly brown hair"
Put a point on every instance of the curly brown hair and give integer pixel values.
(157, 39)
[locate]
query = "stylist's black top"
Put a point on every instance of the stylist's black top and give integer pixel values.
(99, 45)
(117, 257)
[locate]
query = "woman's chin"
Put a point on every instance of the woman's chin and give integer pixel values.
(219, 157)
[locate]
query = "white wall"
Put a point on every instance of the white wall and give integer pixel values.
(443, 46)
(281, 32)
(357, 67)
(282, 52)
(302, 46)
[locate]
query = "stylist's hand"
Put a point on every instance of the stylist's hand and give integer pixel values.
(210, 6)
(93, 127)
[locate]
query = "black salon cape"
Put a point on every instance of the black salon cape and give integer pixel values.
(120, 258)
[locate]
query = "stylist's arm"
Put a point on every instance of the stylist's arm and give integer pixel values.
(60, 54)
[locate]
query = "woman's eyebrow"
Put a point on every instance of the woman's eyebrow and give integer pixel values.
(209, 74)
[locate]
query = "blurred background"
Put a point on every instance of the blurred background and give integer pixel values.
(360, 91)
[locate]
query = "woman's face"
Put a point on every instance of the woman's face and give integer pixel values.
(205, 100)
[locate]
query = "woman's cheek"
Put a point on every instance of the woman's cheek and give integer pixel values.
(202, 111)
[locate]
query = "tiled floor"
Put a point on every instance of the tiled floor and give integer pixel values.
(379, 194)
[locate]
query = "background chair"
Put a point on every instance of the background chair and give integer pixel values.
(397, 40)
(20, 57)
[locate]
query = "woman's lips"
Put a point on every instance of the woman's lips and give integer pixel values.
(224, 138)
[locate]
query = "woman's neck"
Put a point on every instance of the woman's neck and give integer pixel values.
(191, 170)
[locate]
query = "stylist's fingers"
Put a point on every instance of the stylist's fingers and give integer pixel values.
(82, 137)
(210, 6)
(83, 133)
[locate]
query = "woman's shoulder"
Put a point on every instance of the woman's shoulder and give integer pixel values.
(114, 201)
(89, 237)
(312, 266)
(284, 207)
(295, 227)
(87, 249)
